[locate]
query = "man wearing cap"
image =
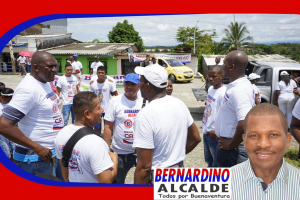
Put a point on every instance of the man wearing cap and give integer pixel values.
(164, 130)
(253, 78)
(95, 65)
(77, 63)
(119, 119)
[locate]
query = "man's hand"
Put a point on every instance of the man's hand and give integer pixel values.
(44, 153)
(296, 92)
(224, 143)
(212, 134)
(113, 156)
(91, 82)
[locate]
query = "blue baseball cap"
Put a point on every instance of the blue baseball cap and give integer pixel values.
(132, 77)
(75, 55)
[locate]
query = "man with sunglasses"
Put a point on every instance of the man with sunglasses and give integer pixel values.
(35, 109)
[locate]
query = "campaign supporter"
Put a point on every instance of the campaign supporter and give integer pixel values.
(75, 67)
(94, 66)
(109, 78)
(90, 160)
(119, 119)
(77, 63)
(296, 76)
(285, 98)
(104, 89)
(295, 124)
(237, 101)
(214, 99)
(164, 130)
(169, 88)
(265, 175)
(68, 86)
(21, 61)
(34, 108)
(253, 78)
(7, 146)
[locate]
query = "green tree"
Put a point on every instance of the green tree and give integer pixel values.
(235, 36)
(96, 41)
(125, 33)
(203, 39)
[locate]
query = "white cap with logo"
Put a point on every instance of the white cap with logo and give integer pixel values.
(284, 73)
(155, 74)
(253, 76)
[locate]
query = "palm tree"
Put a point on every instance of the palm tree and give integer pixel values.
(235, 35)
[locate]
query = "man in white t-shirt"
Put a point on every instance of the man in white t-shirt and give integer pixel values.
(76, 69)
(253, 78)
(90, 160)
(77, 63)
(68, 86)
(164, 130)
(35, 108)
(119, 119)
(21, 61)
(94, 66)
(214, 99)
(295, 124)
(104, 89)
(237, 101)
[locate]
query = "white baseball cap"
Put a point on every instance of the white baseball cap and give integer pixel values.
(155, 74)
(284, 73)
(253, 76)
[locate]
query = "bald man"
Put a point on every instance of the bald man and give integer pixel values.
(35, 108)
(237, 102)
(217, 60)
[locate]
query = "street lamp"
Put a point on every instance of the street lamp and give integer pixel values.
(194, 35)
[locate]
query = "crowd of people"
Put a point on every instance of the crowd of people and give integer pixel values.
(140, 128)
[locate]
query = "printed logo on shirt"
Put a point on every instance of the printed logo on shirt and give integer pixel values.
(51, 96)
(128, 123)
(55, 108)
(131, 113)
(58, 122)
(54, 84)
(72, 90)
(101, 90)
(226, 98)
(128, 138)
(73, 162)
(207, 113)
(210, 99)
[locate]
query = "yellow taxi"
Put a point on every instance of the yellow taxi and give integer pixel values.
(176, 70)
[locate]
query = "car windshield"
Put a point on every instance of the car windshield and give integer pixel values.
(174, 63)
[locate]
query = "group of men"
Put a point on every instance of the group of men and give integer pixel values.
(143, 132)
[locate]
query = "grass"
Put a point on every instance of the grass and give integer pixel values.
(291, 156)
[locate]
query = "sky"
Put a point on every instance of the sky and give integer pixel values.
(161, 29)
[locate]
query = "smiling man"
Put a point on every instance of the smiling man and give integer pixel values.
(265, 175)
(35, 108)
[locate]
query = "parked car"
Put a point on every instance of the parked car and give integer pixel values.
(269, 77)
(176, 70)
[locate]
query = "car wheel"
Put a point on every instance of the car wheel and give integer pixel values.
(188, 81)
(172, 78)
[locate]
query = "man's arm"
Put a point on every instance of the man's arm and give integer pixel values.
(9, 130)
(115, 93)
(110, 174)
(65, 171)
(276, 97)
(295, 128)
(143, 166)
(227, 143)
(256, 99)
(108, 127)
(58, 90)
(193, 138)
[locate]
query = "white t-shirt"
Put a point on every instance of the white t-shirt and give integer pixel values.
(256, 91)
(68, 86)
(163, 125)
(38, 102)
(103, 91)
(122, 112)
(238, 100)
(89, 157)
(296, 110)
(214, 100)
(286, 89)
(95, 66)
(75, 67)
(77, 64)
(22, 59)
(2, 106)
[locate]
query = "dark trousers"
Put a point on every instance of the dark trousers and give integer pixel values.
(125, 162)
(229, 158)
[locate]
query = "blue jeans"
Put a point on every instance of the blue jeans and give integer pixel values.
(7, 146)
(41, 167)
(243, 156)
(66, 109)
(125, 162)
(227, 158)
(28, 68)
(210, 150)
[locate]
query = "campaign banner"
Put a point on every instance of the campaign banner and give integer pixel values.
(140, 58)
(192, 183)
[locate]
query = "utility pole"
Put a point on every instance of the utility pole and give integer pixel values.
(195, 35)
